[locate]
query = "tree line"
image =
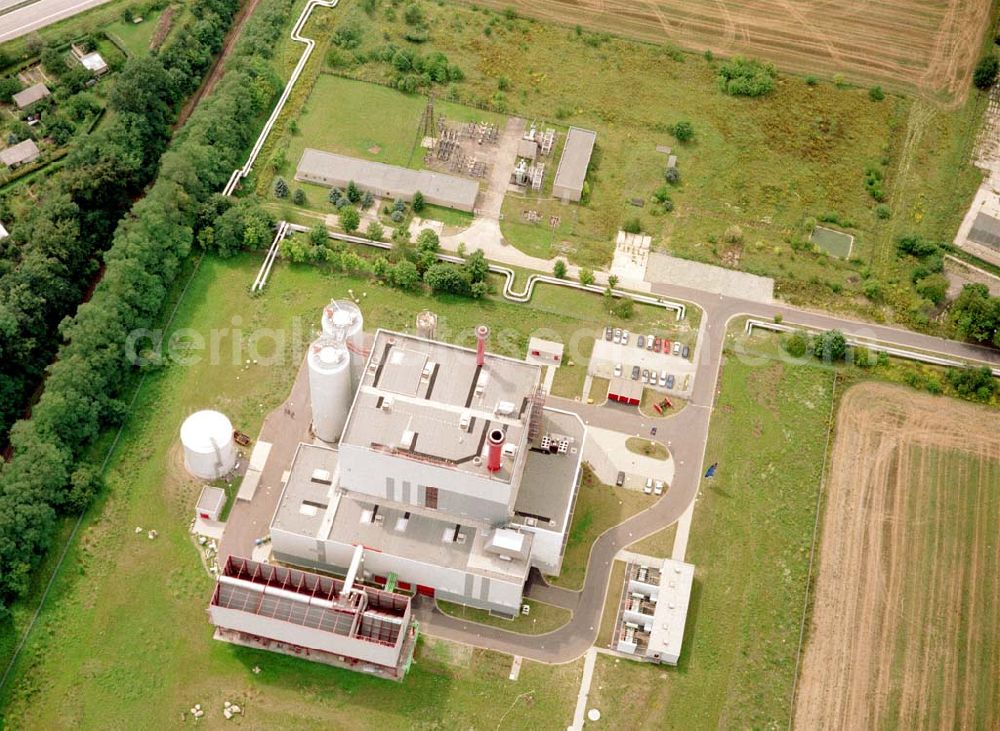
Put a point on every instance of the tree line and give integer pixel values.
(48, 473)
(53, 253)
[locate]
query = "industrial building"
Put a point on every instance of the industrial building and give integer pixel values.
(572, 170)
(320, 618)
(654, 610)
(387, 181)
(445, 465)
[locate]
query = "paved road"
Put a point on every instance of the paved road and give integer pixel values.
(39, 14)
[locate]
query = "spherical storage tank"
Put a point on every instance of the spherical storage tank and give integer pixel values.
(329, 387)
(209, 451)
(342, 321)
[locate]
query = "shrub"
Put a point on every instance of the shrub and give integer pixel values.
(876, 94)
(830, 347)
(414, 15)
(933, 287)
(559, 269)
(444, 278)
(335, 195)
(350, 219)
(973, 383)
(418, 202)
(746, 77)
(623, 307)
(795, 344)
(683, 131)
(353, 192)
(477, 267)
(375, 231)
(985, 73)
(673, 176)
(883, 211)
(586, 277)
(280, 188)
(733, 235)
(915, 246)
(427, 240)
(404, 275)
(811, 80)
(299, 197)
(632, 226)
(367, 199)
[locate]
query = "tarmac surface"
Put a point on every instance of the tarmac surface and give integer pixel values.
(18, 18)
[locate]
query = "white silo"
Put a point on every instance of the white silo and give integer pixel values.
(342, 320)
(329, 387)
(209, 451)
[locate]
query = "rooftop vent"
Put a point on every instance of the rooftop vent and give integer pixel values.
(387, 404)
(505, 408)
(322, 476)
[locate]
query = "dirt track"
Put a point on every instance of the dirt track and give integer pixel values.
(906, 618)
(931, 46)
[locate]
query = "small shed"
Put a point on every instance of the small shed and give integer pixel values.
(94, 63)
(31, 95)
(19, 154)
(527, 148)
(544, 352)
(210, 503)
(625, 391)
(572, 170)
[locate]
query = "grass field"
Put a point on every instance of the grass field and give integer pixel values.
(136, 36)
(771, 166)
(834, 243)
(598, 507)
(906, 620)
(124, 635)
(931, 48)
(750, 541)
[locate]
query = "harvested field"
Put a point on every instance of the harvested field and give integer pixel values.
(906, 619)
(931, 45)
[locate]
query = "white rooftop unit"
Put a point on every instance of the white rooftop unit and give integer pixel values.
(209, 450)
(329, 387)
(343, 321)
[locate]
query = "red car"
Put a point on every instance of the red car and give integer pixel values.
(666, 346)
(658, 345)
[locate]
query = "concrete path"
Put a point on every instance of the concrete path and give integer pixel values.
(590, 659)
(504, 160)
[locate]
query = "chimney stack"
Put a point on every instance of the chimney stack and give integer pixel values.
(482, 332)
(495, 439)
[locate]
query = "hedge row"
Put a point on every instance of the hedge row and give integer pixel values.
(46, 474)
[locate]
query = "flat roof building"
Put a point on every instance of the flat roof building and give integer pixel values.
(450, 472)
(386, 181)
(654, 610)
(19, 154)
(320, 618)
(94, 63)
(572, 170)
(32, 94)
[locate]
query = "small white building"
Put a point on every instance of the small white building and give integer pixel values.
(654, 610)
(544, 352)
(94, 63)
(211, 503)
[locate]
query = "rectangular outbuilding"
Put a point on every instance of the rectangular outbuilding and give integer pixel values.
(625, 391)
(32, 94)
(573, 164)
(211, 503)
(386, 181)
(19, 154)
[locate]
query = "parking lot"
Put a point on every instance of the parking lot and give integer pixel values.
(608, 354)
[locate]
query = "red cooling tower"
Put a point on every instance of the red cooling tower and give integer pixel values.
(482, 332)
(495, 439)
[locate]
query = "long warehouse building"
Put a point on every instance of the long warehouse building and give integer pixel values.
(386, 181)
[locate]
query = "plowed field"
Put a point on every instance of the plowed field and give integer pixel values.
(906, 620)
(931, 45)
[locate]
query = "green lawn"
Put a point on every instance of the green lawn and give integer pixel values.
(598, 507)
(541, 619)
(124, 634)
(136, 36)
(750, 541)
(616, 584)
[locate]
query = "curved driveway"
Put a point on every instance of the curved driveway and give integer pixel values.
(688, 434)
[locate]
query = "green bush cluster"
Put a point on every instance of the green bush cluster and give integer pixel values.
(46, 473)
(874, 182)
(746, 77)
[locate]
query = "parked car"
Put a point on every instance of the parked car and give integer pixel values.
(663, 378)
(621, 479)
(645, 375)
(658, 345)
(670, 381)
(648, 489)
(677, 347)
(618, 335)
(685, 351)
(618, 370)
(609, 333)
(635, 373)
(658, 487)
(649, 342)
(666, 346)
(641, 341)
(624, 337)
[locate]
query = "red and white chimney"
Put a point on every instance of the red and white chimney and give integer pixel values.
(482, 332)
(495, 439)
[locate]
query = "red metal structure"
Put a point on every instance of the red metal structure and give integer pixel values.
(495, 439)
